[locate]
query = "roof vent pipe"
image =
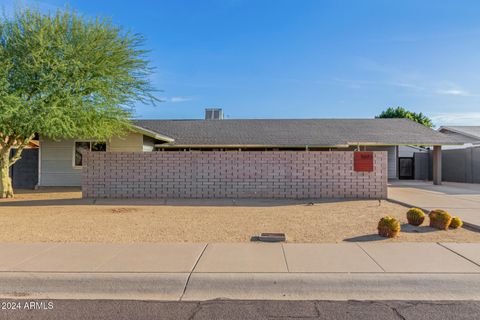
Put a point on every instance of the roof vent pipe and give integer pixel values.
(213, 114)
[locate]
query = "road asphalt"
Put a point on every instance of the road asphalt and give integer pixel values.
(244, 310)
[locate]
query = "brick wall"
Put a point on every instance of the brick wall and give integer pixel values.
(231, 174)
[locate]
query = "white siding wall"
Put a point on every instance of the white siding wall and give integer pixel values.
(56, 167)
(56, 163)
(132, 142)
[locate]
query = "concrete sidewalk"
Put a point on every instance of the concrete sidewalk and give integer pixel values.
(460, 199)
(158, 271)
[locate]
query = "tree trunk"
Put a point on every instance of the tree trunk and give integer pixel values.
(6, 145)
(6, 190)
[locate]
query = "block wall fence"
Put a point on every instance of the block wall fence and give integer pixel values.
(231, 174)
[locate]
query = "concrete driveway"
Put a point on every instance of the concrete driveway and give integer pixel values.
(460, 199)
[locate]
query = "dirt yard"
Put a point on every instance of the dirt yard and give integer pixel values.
(62, 216)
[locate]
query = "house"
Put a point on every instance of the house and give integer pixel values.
(61, 162)
(469, 134)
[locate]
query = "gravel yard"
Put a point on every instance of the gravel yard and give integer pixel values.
(60, 215)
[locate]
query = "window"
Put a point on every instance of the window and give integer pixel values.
(99, 146)
(82, 146)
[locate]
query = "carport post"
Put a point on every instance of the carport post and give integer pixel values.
(437, 164)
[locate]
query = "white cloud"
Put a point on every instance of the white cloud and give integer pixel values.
(408, 79)
(406, 85)
(176, 99)
(454, 92)
(356, 84)
(179, 99)
(457, 118)
(424, 88)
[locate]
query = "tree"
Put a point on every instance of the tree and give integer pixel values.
(65, 76)
(400, 112)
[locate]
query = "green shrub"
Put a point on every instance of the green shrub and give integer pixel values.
(440, 219)
(415, 216)
(388, 227)
(456, 223)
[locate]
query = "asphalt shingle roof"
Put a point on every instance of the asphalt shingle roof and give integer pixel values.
(296, 132)
(472, 131)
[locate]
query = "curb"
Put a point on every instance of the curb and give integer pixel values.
(245, 286)
(305, 286)
(115, 286)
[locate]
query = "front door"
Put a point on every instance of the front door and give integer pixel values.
(405, 166)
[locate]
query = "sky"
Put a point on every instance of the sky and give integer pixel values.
(302, 58)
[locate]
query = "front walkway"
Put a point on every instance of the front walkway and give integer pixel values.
(199, 271)
(460, 199)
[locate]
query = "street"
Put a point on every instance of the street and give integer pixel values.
(237, 309)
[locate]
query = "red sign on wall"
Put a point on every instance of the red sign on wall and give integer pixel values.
(363, 161)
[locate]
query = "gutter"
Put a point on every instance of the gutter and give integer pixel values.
(347, 145)
(166, 146)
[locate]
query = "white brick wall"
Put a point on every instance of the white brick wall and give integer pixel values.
(231, 174)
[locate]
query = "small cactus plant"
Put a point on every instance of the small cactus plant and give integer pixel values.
(415, 216)
(456, 223)
(440, 219)
(388, 227)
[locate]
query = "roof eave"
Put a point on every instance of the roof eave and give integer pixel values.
(152, 134)
(349, 144)
(246, 146)
(380, 144)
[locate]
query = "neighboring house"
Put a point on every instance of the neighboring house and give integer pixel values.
(61, 161)
(469, 134)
